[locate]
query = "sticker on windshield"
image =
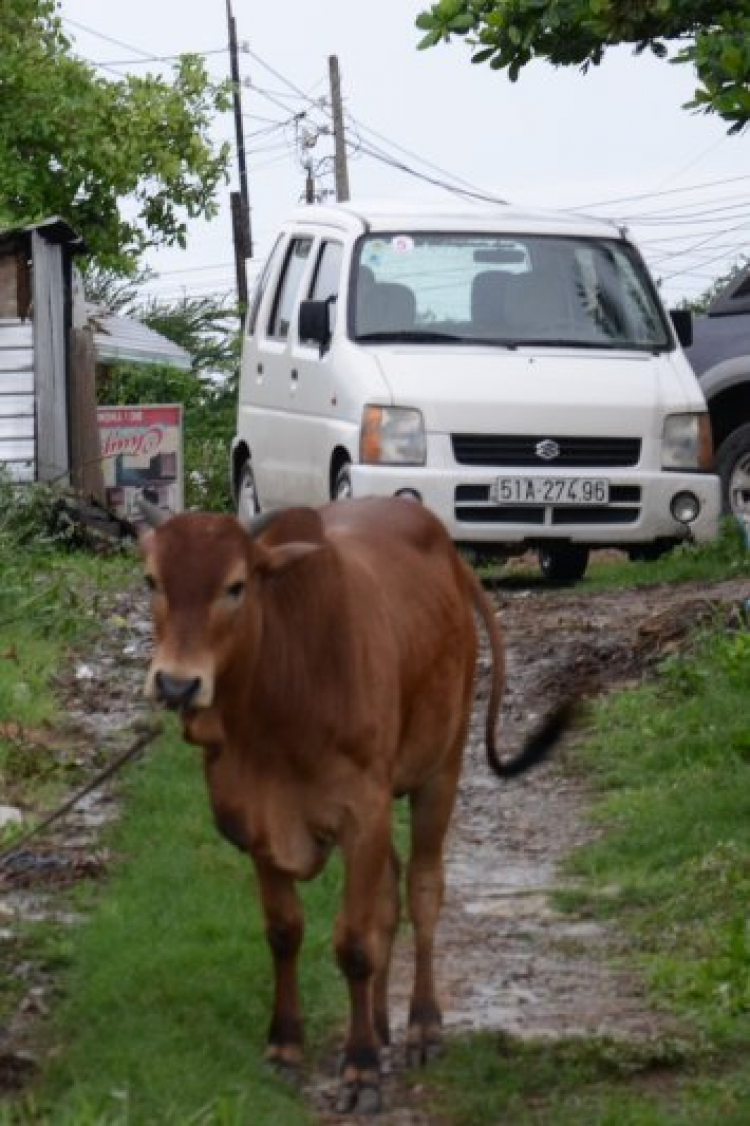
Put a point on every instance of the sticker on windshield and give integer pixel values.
(372, 252)
(402, 244)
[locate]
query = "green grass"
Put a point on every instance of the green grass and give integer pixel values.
(725, 557)
(495, 1079)
(167, 996)
(675, 759)
(50, 606)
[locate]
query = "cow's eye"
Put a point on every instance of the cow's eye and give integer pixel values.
(150, 582)
(235, 590)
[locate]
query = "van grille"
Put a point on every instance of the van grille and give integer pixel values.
(473, 506)
(520, 451)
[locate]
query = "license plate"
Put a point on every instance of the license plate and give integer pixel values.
(550, 490)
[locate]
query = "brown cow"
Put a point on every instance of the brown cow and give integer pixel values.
(324, 660)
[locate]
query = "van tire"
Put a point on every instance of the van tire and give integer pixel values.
(563, 563)
(732, 463)
(342, 486)
(247, 494)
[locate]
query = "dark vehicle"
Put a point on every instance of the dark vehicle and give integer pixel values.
(720, 357)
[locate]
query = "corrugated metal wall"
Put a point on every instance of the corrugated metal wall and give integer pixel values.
(17, 416)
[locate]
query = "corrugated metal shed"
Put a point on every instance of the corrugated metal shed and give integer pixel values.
(35, 269)
(17, 416)
(123, 340)
(48, 421)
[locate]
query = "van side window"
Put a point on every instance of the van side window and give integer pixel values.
(325, 286)
(286, 295)
(260, 287)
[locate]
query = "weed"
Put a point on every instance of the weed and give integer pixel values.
(725, 557)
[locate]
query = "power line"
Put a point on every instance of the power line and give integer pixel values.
(157, 58)
(407, 170)
(373, 151)
(656, 194)
(708, 221)
(194, 269)
(704, 242)
(414, 156)
(106, 38)
(691, 163)
(683, 214)
(246, 50)
(143, 58)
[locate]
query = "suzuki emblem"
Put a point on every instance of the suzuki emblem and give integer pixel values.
(548, 449)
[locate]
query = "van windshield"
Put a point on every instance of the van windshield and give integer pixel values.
(504, 290)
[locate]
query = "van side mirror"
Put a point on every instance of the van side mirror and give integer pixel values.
(314, 322)
(682, 319)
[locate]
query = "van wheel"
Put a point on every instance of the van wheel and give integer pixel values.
(563, 563)
(647, 552)
(342, 489)
(733, 467)
(247, 495)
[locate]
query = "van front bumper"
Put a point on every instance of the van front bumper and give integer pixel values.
(639, 510)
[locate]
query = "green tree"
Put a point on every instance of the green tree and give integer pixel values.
(77, 145)
(712, 35)
(113, 291)
(701, 302)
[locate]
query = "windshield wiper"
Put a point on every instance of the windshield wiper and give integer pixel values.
(412, 335)
(416, 336)
(563, 342)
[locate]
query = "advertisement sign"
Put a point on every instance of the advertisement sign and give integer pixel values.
(142, 453)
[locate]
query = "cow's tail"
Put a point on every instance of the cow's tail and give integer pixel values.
(541, 741)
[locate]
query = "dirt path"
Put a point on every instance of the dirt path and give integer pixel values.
(506, 960)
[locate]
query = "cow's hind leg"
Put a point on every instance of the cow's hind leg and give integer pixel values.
(388, 911)
(431, 809)
(284, 930)
(358, 942)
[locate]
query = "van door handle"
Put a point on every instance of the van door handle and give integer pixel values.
(259, 375)
(295, 381)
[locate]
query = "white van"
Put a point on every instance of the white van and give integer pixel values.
(514, 371)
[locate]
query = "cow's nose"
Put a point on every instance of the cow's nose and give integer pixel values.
(176, 691)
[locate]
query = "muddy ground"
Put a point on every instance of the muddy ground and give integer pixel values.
(506, 960)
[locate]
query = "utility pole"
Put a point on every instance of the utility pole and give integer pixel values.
(309, 183)
(339, 140)
(240, 201)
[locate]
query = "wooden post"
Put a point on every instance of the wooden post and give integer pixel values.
(8, 287)
(85, 447)
(341, 168)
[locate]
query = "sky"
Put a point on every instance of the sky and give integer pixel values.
(615, 142)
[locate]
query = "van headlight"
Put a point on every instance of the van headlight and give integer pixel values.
(687, 442)
(392, 436)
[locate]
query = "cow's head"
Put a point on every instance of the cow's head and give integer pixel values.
(206, 573)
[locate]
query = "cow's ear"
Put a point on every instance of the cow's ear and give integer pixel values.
(273, 560)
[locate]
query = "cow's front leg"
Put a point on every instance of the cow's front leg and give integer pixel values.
(285, 925)
(367, 856)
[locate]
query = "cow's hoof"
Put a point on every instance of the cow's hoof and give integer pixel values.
(422, 1046)
(288, 1073)
(285, 1061)
(355, 1097)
